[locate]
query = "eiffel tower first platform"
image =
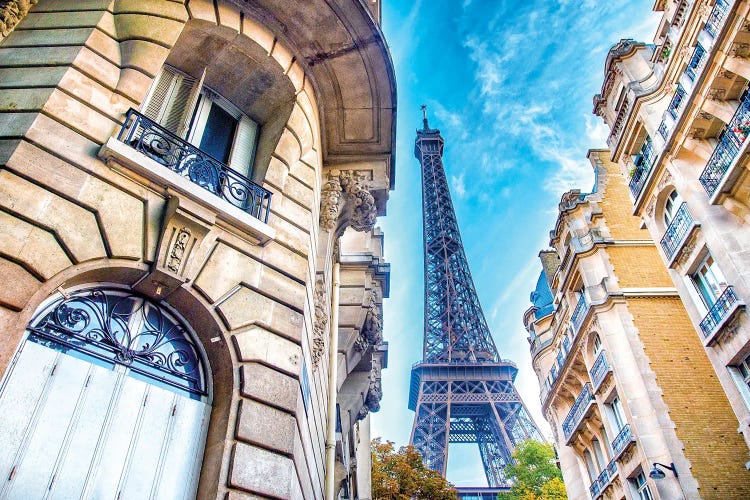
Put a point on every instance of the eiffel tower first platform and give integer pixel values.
(461, 391)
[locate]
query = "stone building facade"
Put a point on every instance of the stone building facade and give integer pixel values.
(678, 111)
(192, 279)
(625, 380)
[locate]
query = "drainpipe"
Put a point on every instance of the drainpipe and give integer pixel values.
(333, 350)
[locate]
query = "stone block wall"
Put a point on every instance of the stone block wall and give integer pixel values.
(74, 211)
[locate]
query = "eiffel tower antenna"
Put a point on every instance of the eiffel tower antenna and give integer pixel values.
(461, 391)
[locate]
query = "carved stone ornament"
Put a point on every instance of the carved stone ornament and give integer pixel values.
(330, 202)
(651, 208)
(665, 179)
(371, 334)
(729, 331)
(351, 187)
(717, 94)
(739, 49)
(179, 247)
(320, 324)
(181, 235)
(11, 13)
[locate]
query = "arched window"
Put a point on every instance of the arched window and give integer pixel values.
(107, 397)
(674, 200)
(597, 343)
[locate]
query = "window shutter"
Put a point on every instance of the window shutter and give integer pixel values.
(179, 101)
(192, 100)
(157, 100)
(244, 146)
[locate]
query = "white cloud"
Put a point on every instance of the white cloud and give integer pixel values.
(458, 185)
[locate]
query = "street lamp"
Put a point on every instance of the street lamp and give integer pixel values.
(657, 473)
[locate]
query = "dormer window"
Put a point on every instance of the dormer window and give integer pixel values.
(192, 111)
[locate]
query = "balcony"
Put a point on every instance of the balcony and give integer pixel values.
(605, 479)
(189, 162)
(731, 141)
(677, 233)
(723, 310)
(579, 314)
(583, 403)
(622, 441)
(600, 370)
(716, 17)
(697, 62)
(643, 163)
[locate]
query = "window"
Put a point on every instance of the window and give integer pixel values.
(597, 344)
(590, 467)
(188, 109)
(709, 282)
(672, 205)
(598, 454)
(741, 374)
(641, 486)
(617, 413)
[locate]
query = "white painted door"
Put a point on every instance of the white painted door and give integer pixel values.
(75, 426)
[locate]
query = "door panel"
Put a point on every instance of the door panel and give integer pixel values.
(146, 453)
(184, 450)
(76, 467)
(20, 396)
(118, 439)
(34, 471)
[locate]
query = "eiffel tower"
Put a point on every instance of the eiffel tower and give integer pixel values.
(461, 391)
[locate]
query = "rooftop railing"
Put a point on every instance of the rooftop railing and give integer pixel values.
(723, 305)
(677, 231)
(578, 411)
(182, 158)
(643, 163)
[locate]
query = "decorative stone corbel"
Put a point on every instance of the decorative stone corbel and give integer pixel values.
(371, 334)
(11, 13)
(181, 235)
(320, 325)
(345, 195)
(374, 391)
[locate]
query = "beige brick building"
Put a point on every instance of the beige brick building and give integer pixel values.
(625, 379)
(192, 279)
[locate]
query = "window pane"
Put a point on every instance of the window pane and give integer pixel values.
(218, 134)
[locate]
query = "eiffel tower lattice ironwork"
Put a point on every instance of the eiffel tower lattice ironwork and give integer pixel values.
(461, 391)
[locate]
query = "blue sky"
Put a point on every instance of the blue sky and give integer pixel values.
(510, 85)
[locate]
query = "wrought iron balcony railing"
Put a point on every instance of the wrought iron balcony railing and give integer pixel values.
(697, 62)
(644, 161)
(579, 313)
(678, 100)
(663, 132)
(601, 482)
(599, 370)
(182, 158)
(577, 412)
(730, 142)
(716, 17)
(621, 441)
(723, 305)
(677, 231)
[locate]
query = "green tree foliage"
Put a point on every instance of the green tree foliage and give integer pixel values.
(534, 474)
(401, 475)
